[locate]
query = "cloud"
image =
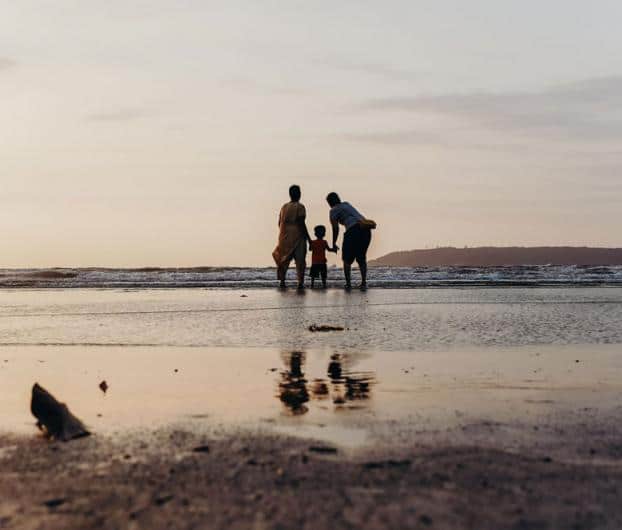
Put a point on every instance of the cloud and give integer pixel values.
(247, 84)
(407, 137)
(372, 69)
(6, 63)
(125, 114)
(453, 139)
(584, 110)
(380, 70)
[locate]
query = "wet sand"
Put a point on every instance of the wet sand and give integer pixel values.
(337, 433)
(522, 438)
(346, 398)
(379, 320)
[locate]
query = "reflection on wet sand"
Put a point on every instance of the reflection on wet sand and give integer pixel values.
(341, 386)
(293, 386)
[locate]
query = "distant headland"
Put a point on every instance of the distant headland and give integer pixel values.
(500, 256)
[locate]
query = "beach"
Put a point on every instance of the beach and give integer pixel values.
(435, 407)
(176, 176)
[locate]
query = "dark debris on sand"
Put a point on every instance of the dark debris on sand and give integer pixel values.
(324, 449)
(54, 503)
(54, 417)
(323, 328)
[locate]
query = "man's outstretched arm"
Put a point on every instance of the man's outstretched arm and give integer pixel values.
(335, 226)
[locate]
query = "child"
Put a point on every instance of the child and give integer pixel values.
(318, 250)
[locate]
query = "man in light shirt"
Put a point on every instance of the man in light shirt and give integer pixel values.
(356, 239)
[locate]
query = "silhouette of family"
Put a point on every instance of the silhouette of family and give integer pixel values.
(342, 385)
(294, 239)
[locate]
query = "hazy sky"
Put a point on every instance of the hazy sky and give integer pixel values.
(167, 132)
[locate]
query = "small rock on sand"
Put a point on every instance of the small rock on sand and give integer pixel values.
(162, 499)
(54, 503)
(426, 519)
(383, 464)
(326, 449)
(103, 386)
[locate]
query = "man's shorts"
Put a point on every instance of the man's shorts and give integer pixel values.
(356, 241)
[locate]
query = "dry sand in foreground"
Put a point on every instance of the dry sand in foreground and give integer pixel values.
(569, 478)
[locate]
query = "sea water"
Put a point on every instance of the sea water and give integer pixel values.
(386, 277)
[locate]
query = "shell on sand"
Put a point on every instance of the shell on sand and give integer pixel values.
(58, 421)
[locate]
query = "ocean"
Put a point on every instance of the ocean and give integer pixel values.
(265, 277)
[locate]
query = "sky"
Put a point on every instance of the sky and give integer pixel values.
(166, 133)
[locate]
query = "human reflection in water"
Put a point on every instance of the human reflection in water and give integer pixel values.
(346, 385)
(293, 385)
(342, 385)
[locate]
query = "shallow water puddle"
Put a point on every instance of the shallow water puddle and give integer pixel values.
(337, 397)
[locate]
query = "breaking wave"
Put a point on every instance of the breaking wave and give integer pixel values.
(257, 277)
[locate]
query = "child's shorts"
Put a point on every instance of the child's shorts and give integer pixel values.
(318, 269)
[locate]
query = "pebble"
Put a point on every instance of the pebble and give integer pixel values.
(426, 519)
(387, 464)
(160, 501)
(325, 449)
(53, 503)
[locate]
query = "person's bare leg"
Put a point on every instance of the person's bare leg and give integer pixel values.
(347, 271)
(363, 268)
(280, 276)
(282, 273)
(323, 280)
(300, 270)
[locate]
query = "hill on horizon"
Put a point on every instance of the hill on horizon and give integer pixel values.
(500, 256)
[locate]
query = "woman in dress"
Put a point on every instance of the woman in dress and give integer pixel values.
(293, 238)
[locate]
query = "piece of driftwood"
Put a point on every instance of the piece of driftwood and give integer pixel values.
(323, 327)
(53, 416)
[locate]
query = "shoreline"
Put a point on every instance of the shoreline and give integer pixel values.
(333, 285)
